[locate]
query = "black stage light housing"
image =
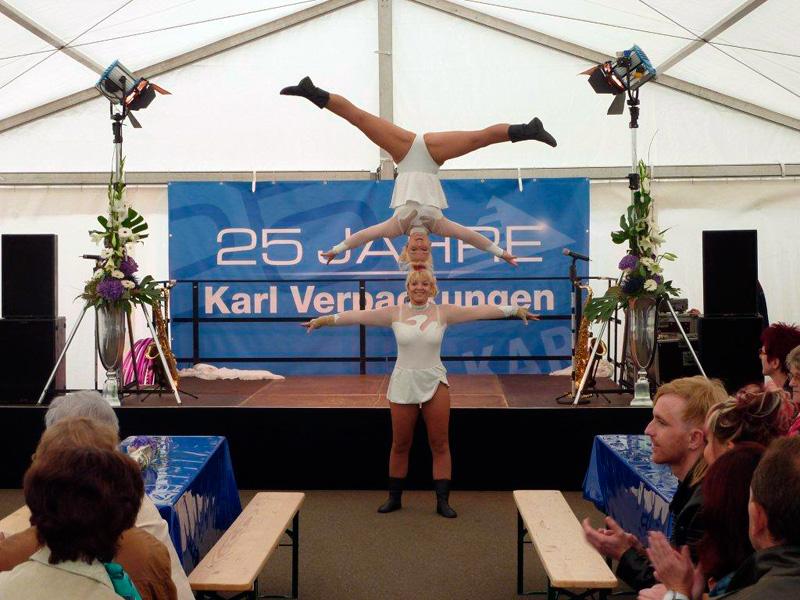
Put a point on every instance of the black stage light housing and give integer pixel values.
(631, 70)
(121, 86)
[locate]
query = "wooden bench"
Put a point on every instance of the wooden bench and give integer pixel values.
(568, 559)
(17, 521)
(239, 556)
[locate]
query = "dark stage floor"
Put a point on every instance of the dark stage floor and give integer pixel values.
(369, 391)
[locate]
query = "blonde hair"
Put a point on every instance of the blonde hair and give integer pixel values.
(417, 274)
(76, 432)
(793, 359)
(753, 415)
(699, 395)
(405, 263)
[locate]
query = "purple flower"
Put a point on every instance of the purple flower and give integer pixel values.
(110, 289)
(658, 279)
(143, 440)
(632, 284)
(128, 266)
(628, 262)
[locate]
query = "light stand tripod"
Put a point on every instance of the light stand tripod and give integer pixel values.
(633, 184)
(118, 118)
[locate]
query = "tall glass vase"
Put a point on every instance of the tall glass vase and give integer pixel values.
(110, 339)
(641, 325)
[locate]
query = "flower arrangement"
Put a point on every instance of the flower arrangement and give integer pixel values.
(144, 450)
(642, 273)
(114, 282)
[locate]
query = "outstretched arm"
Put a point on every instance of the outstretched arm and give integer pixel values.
(461, 314)
(390, 228)
(380, 317)
(447, 228)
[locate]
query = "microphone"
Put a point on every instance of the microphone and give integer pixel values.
(574, 255)
(91, 256)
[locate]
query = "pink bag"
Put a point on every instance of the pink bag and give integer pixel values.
(144, 365)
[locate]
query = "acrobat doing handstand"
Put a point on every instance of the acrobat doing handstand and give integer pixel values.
(418, 198)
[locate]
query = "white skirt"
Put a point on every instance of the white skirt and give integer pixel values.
(415, 386)
(424, 188)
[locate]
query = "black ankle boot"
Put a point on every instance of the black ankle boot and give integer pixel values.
(307, 89)
(442, 489)
(395, 493)
(530, 131)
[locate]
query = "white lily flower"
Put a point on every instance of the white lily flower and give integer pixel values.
(98, 273)
(128, 284)
(648, 262)
(650, 285)
(117, 274)
(96, 237)
(106, 252)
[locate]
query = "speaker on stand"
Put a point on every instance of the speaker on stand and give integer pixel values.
(731, 326)
(31, 334)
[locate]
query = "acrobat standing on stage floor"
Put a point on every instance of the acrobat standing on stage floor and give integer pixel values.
(418, 384)
(418, 198)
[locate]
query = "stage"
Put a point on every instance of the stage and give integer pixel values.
(334, 432)
(369, 391)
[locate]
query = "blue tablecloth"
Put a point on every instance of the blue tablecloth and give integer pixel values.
(623, 482)
(191, 483)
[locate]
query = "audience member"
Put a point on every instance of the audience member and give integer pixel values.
(81, 500)
(142, 556)
(92, 405)
(777, 341)
(676, 432)
(725, 544)
(753, 415)
(773, 570)
(793, 366)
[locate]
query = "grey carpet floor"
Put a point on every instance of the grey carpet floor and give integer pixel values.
(349, 551)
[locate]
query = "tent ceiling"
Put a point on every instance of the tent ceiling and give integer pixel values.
(145, 32)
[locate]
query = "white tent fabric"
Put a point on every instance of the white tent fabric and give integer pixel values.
(449, 73)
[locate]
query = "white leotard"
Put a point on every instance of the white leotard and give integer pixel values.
(418, 178)
(418, 332)
(419, 369)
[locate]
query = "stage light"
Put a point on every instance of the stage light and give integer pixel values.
(631, 70)
(122, 87)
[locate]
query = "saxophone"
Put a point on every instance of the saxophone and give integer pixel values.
(583, 348)
(163, 339)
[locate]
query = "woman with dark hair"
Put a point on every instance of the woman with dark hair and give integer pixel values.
(418, 198)
(81, 500)
(752, 415)
(143, 557)
(725, 544)
(777, 341)
(726, 493)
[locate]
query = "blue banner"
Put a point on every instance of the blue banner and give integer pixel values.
(242, 256)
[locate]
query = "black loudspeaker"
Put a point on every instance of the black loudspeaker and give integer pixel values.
(30, 350)
(729, 349)
(730, 272)
(30, 276)
(674, 359)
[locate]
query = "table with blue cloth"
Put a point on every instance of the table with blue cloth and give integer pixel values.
(623, 481)
(191, 482)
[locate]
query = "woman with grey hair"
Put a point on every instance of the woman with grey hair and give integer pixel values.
(90, 404)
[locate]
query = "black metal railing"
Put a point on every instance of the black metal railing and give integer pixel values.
(362, 357)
